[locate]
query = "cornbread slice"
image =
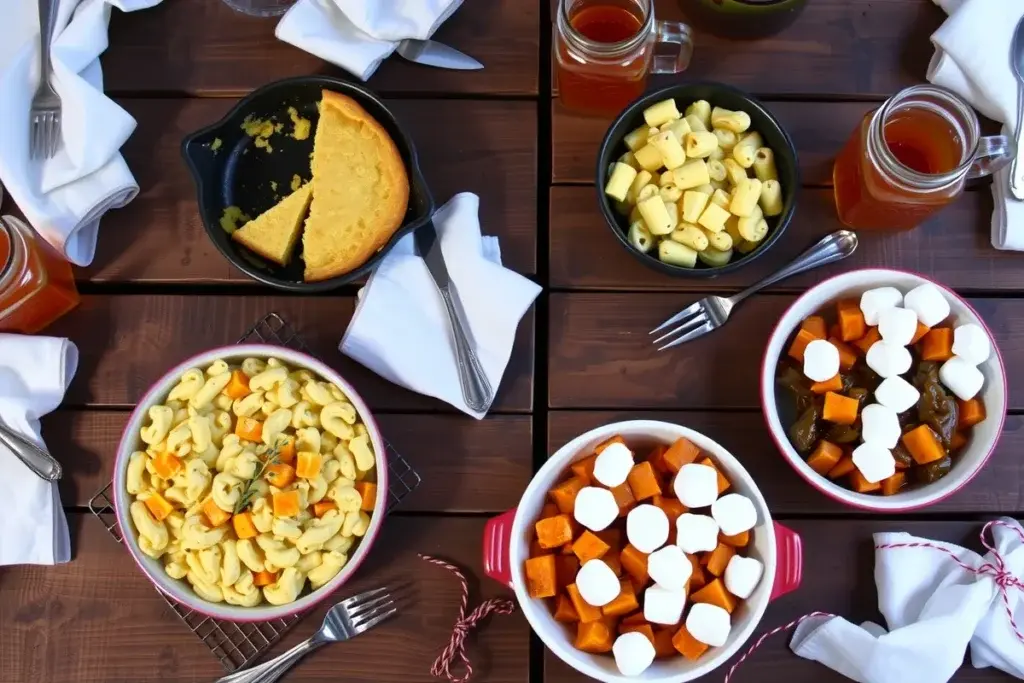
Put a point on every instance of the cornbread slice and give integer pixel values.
(360, 189)
(274, 232)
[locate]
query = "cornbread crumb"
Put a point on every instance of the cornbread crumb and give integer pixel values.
(296, 182)
(260, 131)
(273, 186)
(302, 126)
(232, 219)
(215, 145)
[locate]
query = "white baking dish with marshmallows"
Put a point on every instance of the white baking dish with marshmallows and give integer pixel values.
(658, 587)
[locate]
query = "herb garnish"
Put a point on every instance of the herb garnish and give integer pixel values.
(250, 490)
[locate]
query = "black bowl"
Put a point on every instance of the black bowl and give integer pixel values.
(719, 95)
(240, 174)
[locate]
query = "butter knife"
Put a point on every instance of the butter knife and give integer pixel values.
(37, 460)
(476, 389)
(433, 53)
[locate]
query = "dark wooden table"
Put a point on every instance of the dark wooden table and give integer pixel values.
(159, 291)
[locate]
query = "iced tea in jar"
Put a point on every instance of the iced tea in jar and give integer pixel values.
(605, 50)
(36, 283)
(910, 158)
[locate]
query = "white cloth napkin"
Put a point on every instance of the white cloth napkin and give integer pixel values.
(64, 197)
(34, 374)
(972, 58)
(934, 609)
(400, 327)
(358, 35)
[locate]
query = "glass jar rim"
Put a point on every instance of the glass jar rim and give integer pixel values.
(580, 41)
(906, 174)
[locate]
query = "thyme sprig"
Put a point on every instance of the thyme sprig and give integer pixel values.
(271, 456)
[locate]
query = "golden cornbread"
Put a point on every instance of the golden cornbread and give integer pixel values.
(274, 232)
(360, 189)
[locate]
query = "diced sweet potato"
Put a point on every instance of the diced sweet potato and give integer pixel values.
(842, 468)
(834, 384)
(624, 498)
(861, 485)
(920, 332)
(249, 428)
(634, 563)
(840, 409)
(815, 324)
(286, 504)
(368, 492)
(714, 593)
(643, 482)
(564, 495)
(868, 340)
(594, 637)
(740, 540)
(549, 510)
(608, 442)
(566, 568)
(166, 464)
(663, 647)
(264, 578)
(937, 345)
(697, 576)
(687, 645)
(587, 612)
(540, 576)
(214, 515)
(286, 449)
(718, 559)
(158, 506)
(324, 506)
(584, 469)
(851, 320)
(923, 445)
(611, 536)
(308, 465)
(238, 385)
(280, 475)
(244, 527)
(847, 356)
(645, 629)
(800, 342)
(589, 547)
(892, 485)
(614, 561)
(971, 413)
(657, 459)
(672, 508)
(680, 453)
(825, 456)
(723, 483)
(624, 603)
(957, 441)
(564, 610)
(554, 531)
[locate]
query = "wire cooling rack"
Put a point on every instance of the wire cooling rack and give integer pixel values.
(237, 645)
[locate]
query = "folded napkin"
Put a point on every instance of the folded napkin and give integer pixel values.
(358, 35)
(934, 608)
(972, 58)
(64, 197)
(34, 374)
(400, 327)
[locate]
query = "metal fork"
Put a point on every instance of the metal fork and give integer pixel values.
(44, 119)
(711, 312)
(348, 619)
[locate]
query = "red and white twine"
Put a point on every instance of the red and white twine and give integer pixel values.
(996, 568)
(456, 648)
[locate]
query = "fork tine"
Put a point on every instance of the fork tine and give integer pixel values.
(693, 334)
(370, 606)
(685, 313)
(356, 600)
(55, 145)
(686, 326)
(51, 134)
(362, 627)
(34, 137)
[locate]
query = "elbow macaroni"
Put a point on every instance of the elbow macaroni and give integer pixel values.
(197, 541)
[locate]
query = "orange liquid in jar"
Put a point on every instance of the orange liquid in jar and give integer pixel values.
(921, 140)
(597, 87)
(36, 287)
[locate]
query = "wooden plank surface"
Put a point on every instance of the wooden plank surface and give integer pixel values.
(466, 465)
(99, 619)
(995, 490)
(489, 148)
(953, 248)
(205, 48)
(837, 578)
(128, 342)
(835, 48)
(601, 356)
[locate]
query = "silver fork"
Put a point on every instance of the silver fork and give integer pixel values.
(711, 312)
(44, 134)
(348, 619)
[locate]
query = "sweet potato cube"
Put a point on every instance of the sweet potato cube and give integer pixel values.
(825, 456)
(840, 409)
(564, 610)
(645, 629)
(540, 577)
(634, 563)
(868, 340)
(923, 445)
(718, 559)
(566, 568)
(971, 413)
(740, 540)
(851, 320)
(680, 453)
(624, 603)
(553, 531)
(564, 495)
(723, 483)
(158, 506)
(714, 593)
(643, 482)
(584, 469)
(624, 498)
(799, 345)
(589, 547)
(687, 645)
(584, 609)
(861, 485)
(815, 324)
(663, 647)
(594, 637)
(937, 345)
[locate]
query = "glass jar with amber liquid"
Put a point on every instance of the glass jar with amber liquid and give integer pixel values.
(36, 283)
(910, 158)
(604, 51)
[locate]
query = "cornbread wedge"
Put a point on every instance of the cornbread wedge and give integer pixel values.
(360, 189)
(274, 232)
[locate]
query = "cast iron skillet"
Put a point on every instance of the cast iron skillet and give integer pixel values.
(240, 174)
(719, 95)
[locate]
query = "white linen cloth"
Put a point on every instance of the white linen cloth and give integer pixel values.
(358, 35)
(64, 197)
(972, 58)
(34, 374)
(400, 327)
(934, 609)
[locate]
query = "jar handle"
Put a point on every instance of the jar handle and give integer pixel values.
(994, 152)
(673, 47)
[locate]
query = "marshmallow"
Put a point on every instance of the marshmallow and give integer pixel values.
(742, 575)
(897, 393)
(874, 301)
(662, 606)
(696, 486)
(734, 514)
(929, 303)
(821, 361)
(897, 325)
(879, 425)
(647, 528)
(710, 624)
(595, 508)
(961, 377)
(875, 462)
(669, 568)
(633, 653)
(696, 533)
(887, 359)
(597, 583)
(612, 465)
(971, 343)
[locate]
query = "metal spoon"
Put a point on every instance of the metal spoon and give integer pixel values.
(1017, 64)
(37, 460)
